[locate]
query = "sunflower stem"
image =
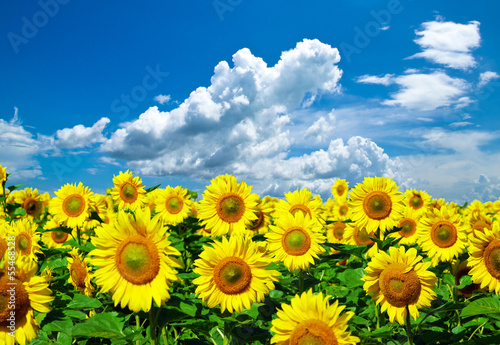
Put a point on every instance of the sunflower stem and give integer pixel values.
(138, 324)
(164, 335)
(409, 333)
(78, 235)
(152, 325)
(226, 333)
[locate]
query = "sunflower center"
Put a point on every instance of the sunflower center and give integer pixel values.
(300, 208)
(338, 230)
(400, 289)
(361, 237)
(13, 297)
(31, 206)
(408, 227)
(296, 241)
(174, 205)
(416, 202)
(137, 259)
(313, 332)
(480, 225)
(492, 258)
(231, 208)
(3, 247)
(59, 236)
(73, 205)
(78, 273)
(23, 242)
(258, 223)
(377, 205)
(343, 210)
(444, 234)
(128, 192)
(340, 190)
(232, 275)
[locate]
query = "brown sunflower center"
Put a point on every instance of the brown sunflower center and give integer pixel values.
(257, 224)
(491, 257)
(296, 241)
(377, 205)
(31, 206)
(59, 236)
(232, 275)
(313, 332)
(300, 208)
(78, 273)
(362, 237)
(13, 297)
(128, 193)
(416, 202)
(73, 205)
(231, 207)
(3, 247)
(137, 259)
(408, 227)
(23, 243)
(400, 289)
(480, 225)
(343, 209)
(174, 205)
(444, 234)
(340, 190)
(338, 230)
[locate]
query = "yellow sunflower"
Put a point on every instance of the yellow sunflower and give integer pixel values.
(30, 201)
(335, 232)
(311, 319)
(295, 240)
(376, 203)
(409, 224)
(128, 191)
(55, 238)
(134, 260)
(340, 189)
(233, 274)
(397, 280)
(417, 200)
(479, 224)
(357, 235)
(301, 201)
(80, 273)
(435, 204)
(150, 199)
(71, 205)
(484, 258)
(261, 224)
(31, 293)
(26, 236)
(442, 235)
(227, 206)
(173, 205)
(476, 209)
(3, 174)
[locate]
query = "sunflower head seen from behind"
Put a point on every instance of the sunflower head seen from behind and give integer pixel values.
(233, 274)
(311, 319)
(399, 280)
(128, 191)
(376, 204)
(227, 206)
(134, 260)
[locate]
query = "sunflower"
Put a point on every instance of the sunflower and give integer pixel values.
(357, 235)
(55, 238)
(31, 293)
(417, 200)
(442, 235)
(409, 224)
(233, 274)
(340, 189)
(133, 256)
(479, 224)
(475, 210)
(3, 174)
(397, 280)
(26, 236)
(30, 201)
(460, 269)
(335, 232)
(376, 204)
(436, 204)
(261, 224)
(150, 199)
(79, 273)
(484, 258)
(173, 205)
(128, 191)
(227, 206)
(71, 205)
(311, 319)
(301, 201)
(295, 240)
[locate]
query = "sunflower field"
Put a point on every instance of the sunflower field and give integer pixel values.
(164, 265)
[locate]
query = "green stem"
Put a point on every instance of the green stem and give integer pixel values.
(138, 323)
(152, 326)
(409, 333)
(78, 235)
(226, 333)
(165, 335)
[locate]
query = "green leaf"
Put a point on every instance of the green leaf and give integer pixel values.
(464, 281)
(104, 325)
(352, 277)
(83, 302)
(150, 189)
(188, 308)
(483, 306)
(75, 314)
(19, 212)
(13, 188)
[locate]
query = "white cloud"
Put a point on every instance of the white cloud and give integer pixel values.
(448, 43)
(162, 99)
(322, 128)
(386, 80)
(486, 77)
(484, 189)
(460, 124)
(429, 91)
(81, 136)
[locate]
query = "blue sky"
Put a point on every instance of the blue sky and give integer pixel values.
(283, 94)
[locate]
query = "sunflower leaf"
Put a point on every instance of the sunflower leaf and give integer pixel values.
(483, 306)
(13, 188)
(150, 189)
(83, 302)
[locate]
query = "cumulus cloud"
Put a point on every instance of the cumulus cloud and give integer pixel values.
(162, 99)
(486, 77)
(81, 136)
(429, 91)
(386, 80)
(448, 43)
(484, 189)
(322, 128)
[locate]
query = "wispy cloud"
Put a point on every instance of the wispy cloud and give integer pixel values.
(162, 99)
